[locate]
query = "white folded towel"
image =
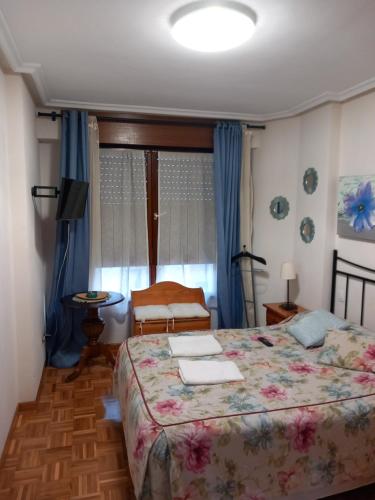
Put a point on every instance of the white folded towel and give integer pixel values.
(208, 372)
(195, 345)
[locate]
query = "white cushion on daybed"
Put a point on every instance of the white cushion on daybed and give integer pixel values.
(144, 313)
(188, 310)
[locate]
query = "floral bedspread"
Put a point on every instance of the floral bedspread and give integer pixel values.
(291, 426)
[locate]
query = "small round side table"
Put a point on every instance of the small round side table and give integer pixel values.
(92, 326)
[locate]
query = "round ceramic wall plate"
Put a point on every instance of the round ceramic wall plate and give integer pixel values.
(279, 207)
(307, 229)
(310, 180)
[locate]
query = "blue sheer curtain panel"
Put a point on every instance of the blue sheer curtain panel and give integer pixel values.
(227, 177)
(64, 337)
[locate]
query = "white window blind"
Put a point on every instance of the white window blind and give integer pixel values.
(123, 208)
(187, 228)
(124, 249)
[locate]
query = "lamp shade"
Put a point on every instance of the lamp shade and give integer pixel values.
(288, 271)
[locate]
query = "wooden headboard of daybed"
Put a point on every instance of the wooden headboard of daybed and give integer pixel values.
(167, 292)
(350, 275)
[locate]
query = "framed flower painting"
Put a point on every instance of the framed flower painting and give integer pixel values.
(356, 207)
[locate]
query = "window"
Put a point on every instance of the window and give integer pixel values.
(157, 219)
(156, 208)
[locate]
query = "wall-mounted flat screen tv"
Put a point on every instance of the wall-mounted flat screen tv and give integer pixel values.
(72, 199)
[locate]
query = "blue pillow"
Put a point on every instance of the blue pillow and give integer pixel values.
(312, 328)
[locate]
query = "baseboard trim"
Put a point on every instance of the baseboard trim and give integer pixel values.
(22, 406)
(7, 441)
(25, 406)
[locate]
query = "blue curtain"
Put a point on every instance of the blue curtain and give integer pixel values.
(227, 175)
(64, 337)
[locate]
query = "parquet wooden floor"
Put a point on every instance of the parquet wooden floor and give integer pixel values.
(63, 449)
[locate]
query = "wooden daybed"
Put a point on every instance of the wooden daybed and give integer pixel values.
(164, 293)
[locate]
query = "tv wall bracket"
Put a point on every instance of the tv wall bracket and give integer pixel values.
(44, 192)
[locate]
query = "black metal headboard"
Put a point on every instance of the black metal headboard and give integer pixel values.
(348, 275)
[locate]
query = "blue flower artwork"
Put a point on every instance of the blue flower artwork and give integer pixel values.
(360, 207)
(356, 207)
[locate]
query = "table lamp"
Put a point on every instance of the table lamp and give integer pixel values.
(288, 273)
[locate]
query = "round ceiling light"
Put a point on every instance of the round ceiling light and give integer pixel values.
(213, 26)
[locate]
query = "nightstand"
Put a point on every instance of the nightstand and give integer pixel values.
(275, 313)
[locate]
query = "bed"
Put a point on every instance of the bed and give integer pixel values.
(292, 428)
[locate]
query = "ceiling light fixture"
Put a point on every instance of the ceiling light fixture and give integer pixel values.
(213, 26)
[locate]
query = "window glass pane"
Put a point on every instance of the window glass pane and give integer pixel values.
(191, 275)
(124, 279)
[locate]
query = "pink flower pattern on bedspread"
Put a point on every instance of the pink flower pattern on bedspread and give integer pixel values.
(148, 363)
(235, 354)
(302, 368)
(273, 392)
(365, 379)
(146, 431)
(169, 407)
(196, 447)
(302, 430)
(370, 353)
(292, 425)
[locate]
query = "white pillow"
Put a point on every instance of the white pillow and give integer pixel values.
(144, 313)
(191, 310)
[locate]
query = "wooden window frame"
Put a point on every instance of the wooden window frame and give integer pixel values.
(156, 132)
(152, 189)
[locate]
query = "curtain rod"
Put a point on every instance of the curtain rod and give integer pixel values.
(53, 115)
(149, 121)
(260, 127)
(158, 121)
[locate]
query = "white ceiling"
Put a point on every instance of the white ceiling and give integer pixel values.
(119, 55)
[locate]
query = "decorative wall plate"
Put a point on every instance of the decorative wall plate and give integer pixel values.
(307, 230)
(310, 180)
(279, 207)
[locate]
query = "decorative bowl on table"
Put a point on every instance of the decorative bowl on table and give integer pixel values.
(92, 296)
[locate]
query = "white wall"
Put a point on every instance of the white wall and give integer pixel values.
(26, 237)
(318, 148)
(335, 139)
(275, 167)
(357, 157)
(288, 147)
(8, 367)
(22, 315)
